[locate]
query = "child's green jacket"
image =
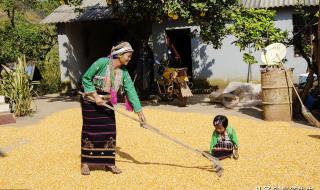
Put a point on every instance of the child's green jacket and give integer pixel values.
(231, 134)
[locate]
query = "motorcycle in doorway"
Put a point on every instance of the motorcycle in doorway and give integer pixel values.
(173, 83)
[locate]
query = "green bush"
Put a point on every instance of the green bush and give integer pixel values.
(16, 87)
(50, 72)
(32, 40)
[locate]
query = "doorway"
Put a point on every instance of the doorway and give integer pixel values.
(178, 42)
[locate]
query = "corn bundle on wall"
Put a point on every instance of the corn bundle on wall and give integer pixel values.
(271, 154)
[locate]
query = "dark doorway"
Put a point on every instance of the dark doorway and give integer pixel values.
(179, 48)
(100, 36)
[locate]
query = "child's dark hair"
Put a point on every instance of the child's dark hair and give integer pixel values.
(220, 119)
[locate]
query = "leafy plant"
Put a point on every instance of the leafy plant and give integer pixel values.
(249, 59)
(50, 71)
(12, 7)
(16, 87)
(31, 40)
(210, 15)
(254, 30)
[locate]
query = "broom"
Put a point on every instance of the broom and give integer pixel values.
(305, 112)
(215, 162)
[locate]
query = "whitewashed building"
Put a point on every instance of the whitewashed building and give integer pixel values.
(85, 37)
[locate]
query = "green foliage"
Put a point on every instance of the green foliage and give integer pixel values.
(31, 40)
(254, 29)
(27, 38)
(249, 59)
(45, 7)
(174, 8)
(17, 4)
(210, 15)
(306, 20)
(15, 86)
(50, 70)
(13, 6)
(42, 7)
(71, 2)
(24, 37)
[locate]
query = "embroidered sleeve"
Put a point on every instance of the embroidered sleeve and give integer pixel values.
(214, 140)
(131, 91)
(90, 75)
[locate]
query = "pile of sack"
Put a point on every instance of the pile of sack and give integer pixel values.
(238, 94)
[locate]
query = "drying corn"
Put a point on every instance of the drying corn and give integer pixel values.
(271, 154)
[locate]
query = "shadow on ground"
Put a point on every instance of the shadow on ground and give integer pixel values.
(255, 112)
(130, 159)
(315, 136)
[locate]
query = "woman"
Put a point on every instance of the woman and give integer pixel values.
(101, 82)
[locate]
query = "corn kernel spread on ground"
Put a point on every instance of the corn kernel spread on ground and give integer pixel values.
(271, 153)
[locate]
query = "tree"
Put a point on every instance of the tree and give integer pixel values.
(31, 40)
(254, 30)
(20, 36)
(210, 15)
(308, 48)
(11, 6)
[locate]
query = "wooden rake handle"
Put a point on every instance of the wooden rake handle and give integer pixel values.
(216, 163)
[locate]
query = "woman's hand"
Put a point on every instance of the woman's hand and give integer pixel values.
(99, 101)
(141, 118)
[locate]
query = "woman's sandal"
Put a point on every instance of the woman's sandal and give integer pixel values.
(113, 169)
(85, 169)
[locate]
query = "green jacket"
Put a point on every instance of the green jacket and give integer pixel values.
(99, 68)
(231, 134)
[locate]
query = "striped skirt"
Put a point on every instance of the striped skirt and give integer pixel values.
(98, 138)
(223, 149)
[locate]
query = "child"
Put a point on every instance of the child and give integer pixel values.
(224, 141)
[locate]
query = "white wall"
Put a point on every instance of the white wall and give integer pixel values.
(284, 21)
(80, 44)
(77, 39)
(225, 63)
(71, 52)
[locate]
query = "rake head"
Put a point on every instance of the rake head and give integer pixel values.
(218, 169)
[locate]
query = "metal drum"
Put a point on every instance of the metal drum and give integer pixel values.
(276, 94)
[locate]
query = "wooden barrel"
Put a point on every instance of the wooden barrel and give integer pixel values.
(276, 94)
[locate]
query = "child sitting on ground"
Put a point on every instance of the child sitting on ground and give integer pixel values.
(224, 141)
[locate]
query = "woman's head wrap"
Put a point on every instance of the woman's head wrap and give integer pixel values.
(121, 48)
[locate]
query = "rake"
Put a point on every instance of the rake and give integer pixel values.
(217, 167)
